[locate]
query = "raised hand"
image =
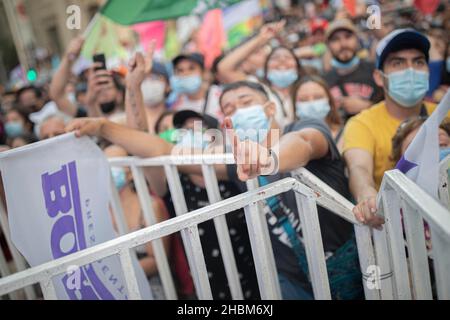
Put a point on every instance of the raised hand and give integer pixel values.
(140, 66)
(74, 48)
(271, 30)
(98, 80)
(252, 159)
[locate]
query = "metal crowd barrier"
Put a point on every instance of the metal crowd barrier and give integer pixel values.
(380, 249)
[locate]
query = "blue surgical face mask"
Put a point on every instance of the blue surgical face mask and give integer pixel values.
(408, 87)
(282, 78)
(119, 177)
(188, 84)
(448, 64)
(443, 152)
(191, 139)
(316, 109)
(345, 65)
(251, 123)
(14, 129)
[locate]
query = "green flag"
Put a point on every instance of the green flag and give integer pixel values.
(136, 11)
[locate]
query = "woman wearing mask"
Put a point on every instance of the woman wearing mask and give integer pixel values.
(282, 70)
(155, 89)
(16, 124)
(312, 99)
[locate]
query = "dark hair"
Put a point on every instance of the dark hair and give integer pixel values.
(299, 68)
(244, 84)
(36, 90)
(403, 130)
(333, 117)
(161, 118)
(23, 113)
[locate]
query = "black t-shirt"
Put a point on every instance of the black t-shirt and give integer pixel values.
(335, 230)
(359, 83)
(196, 198)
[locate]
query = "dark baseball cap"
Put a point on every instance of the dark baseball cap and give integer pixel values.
(180, 118)
(160, 69)
(401, 39)
(194, 57)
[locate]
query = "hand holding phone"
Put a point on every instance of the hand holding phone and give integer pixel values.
(101, 60)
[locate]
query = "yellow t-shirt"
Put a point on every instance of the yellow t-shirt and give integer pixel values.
(373, 130)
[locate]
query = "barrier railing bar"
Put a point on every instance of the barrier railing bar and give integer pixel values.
(326, 196)
(315, 254)
(266, 271)
(383, 259)
(366, 259)
(417, 252)
(223, 235)
(190, 237)
(158, 246)
(420, 200)
(4, 272)
(48, 289)
(336, 203)
(117, 209)
(129, 274)
(441, 262)
(18, 260)
(391, 206)
(444, 196)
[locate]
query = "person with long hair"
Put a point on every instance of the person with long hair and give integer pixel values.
(311, 98)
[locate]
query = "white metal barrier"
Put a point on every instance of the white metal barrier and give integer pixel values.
(375, 248)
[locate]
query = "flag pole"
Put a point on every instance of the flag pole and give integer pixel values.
(90, 26)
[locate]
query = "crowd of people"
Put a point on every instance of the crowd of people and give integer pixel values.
(345, 100)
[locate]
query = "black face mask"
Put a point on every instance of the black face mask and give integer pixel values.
(108, 107)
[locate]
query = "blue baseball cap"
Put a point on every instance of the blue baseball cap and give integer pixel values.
(160, 69)
(399, 40)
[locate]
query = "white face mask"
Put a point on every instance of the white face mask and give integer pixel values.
(153, 92)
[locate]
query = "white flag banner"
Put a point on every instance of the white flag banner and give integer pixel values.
(57, 194)
(420, 162)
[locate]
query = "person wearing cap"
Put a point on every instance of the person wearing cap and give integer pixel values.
(350, 78)
(403, 73)
(155, 89)
(192, 89)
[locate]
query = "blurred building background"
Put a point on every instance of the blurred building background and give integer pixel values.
(31, 30)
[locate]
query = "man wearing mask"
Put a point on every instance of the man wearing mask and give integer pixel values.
(350, 79)
(189, 83)
(403, 73)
